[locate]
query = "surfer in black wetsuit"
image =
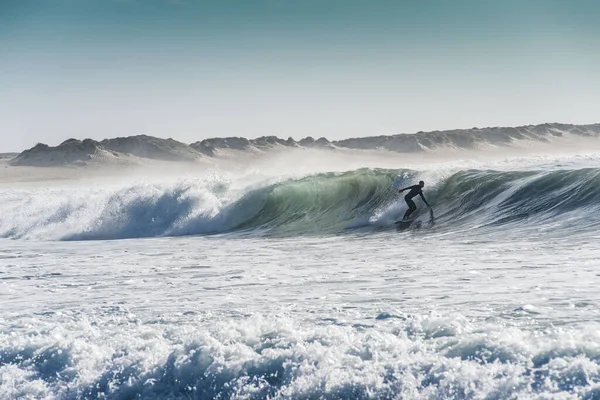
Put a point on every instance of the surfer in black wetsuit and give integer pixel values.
(414, 190)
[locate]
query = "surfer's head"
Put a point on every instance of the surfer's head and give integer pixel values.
(421, 183)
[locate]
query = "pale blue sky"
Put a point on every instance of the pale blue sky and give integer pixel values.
(197, 69)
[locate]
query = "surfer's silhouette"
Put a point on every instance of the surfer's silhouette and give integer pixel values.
(414, 191)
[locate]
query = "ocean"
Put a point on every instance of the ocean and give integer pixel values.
(256, 284)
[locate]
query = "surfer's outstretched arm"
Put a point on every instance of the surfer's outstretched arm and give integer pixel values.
(402, 190)
(424, 201)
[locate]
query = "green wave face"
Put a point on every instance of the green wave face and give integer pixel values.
(332, 203)
(323, 203)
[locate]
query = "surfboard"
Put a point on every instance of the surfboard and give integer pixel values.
(404, 224)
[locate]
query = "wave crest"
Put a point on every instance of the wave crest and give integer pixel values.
(328, 203)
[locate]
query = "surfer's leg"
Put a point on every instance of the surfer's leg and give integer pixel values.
(411, 207)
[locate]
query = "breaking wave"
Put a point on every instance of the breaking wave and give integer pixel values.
(329, 203)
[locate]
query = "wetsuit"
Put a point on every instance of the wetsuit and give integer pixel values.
(414, 191)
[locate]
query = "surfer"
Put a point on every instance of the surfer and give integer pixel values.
(414, 190)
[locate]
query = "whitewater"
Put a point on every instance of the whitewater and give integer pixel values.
(286, 278)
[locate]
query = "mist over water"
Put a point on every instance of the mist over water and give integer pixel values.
(285, 277)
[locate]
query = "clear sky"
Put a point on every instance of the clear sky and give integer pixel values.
(336, 68)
